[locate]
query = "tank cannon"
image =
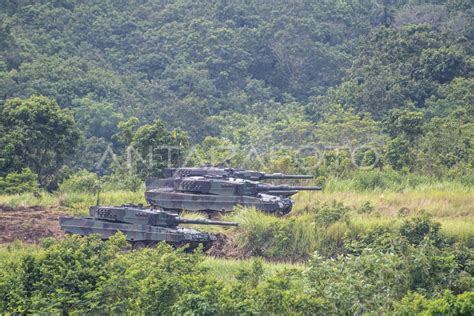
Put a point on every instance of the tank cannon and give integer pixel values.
(141, 226)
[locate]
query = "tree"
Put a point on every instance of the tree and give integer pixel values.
(96, 118)
(38, 134)
(447, 147)
(404, 128)
(153, 147)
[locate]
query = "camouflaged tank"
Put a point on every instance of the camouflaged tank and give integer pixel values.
(141, 226)
(213, 193)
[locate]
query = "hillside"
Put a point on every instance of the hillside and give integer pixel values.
(375, 99)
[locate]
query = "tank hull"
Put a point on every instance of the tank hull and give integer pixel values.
(134, 233)
(173, 200)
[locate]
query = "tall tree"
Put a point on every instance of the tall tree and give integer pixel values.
(38, 134)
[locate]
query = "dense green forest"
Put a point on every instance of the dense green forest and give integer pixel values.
(384, 84)
(375, 98)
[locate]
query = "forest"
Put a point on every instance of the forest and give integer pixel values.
(374, 98)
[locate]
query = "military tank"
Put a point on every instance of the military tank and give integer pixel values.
(212, 193)
(142, 226)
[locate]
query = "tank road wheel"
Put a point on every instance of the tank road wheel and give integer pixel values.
(206, 246)
(190, 246)
(284, 211)
(213, 214)
(152, 244)
(138, 245)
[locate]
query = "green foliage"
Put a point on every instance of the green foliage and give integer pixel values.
(387, 179)
(419, 228)
(96, 119)
(259, 79)
(120, 181)
(81, 182)
(388, 273)
(344, 128)
(38, 134)
(153, 147)
(19, 182)
(445, 303)
(328, 214)
(358, 284)
(86, 275)
(384, 86)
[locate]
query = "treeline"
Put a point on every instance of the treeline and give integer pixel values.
(320, 87)
(413, 269)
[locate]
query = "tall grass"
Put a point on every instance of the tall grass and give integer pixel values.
(438, 202)
(71, 202)
(226, 270)
(296, 237)
(13, 251)
(389, 180)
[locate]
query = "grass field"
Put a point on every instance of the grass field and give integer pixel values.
(450, 204)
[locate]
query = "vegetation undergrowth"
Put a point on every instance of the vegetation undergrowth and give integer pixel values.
(413, 270)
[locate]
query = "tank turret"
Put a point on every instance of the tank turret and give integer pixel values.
(229, 172)
(137, 215)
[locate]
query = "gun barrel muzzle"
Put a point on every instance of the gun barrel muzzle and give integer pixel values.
(308, 188)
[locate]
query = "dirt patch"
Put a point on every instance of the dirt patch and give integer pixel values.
(226, 247)
(28, 224)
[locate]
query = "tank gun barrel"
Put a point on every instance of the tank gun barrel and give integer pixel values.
(284, 187)
(285, 176)
(203, 221)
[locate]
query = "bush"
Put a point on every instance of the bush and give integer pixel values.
(81, 182)
(86, 275)
(19, 182)
(444, 304)
(328, 214)
(357, 284)
(121, 182)
(88, 182)
(419, 228)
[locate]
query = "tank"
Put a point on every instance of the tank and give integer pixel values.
(141, 226)
(228, 172)
(220, 194)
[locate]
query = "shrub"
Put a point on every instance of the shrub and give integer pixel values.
(86, 275)
(419, 228)
(328, 214)
(444, 304)
(121, 182)
(19, 182)
(366, 208)
(81, 182)
(357, 284)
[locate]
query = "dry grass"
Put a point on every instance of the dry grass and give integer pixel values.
(436, 202)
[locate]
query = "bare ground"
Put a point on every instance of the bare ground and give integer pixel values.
(28, 224)
(226, 247)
